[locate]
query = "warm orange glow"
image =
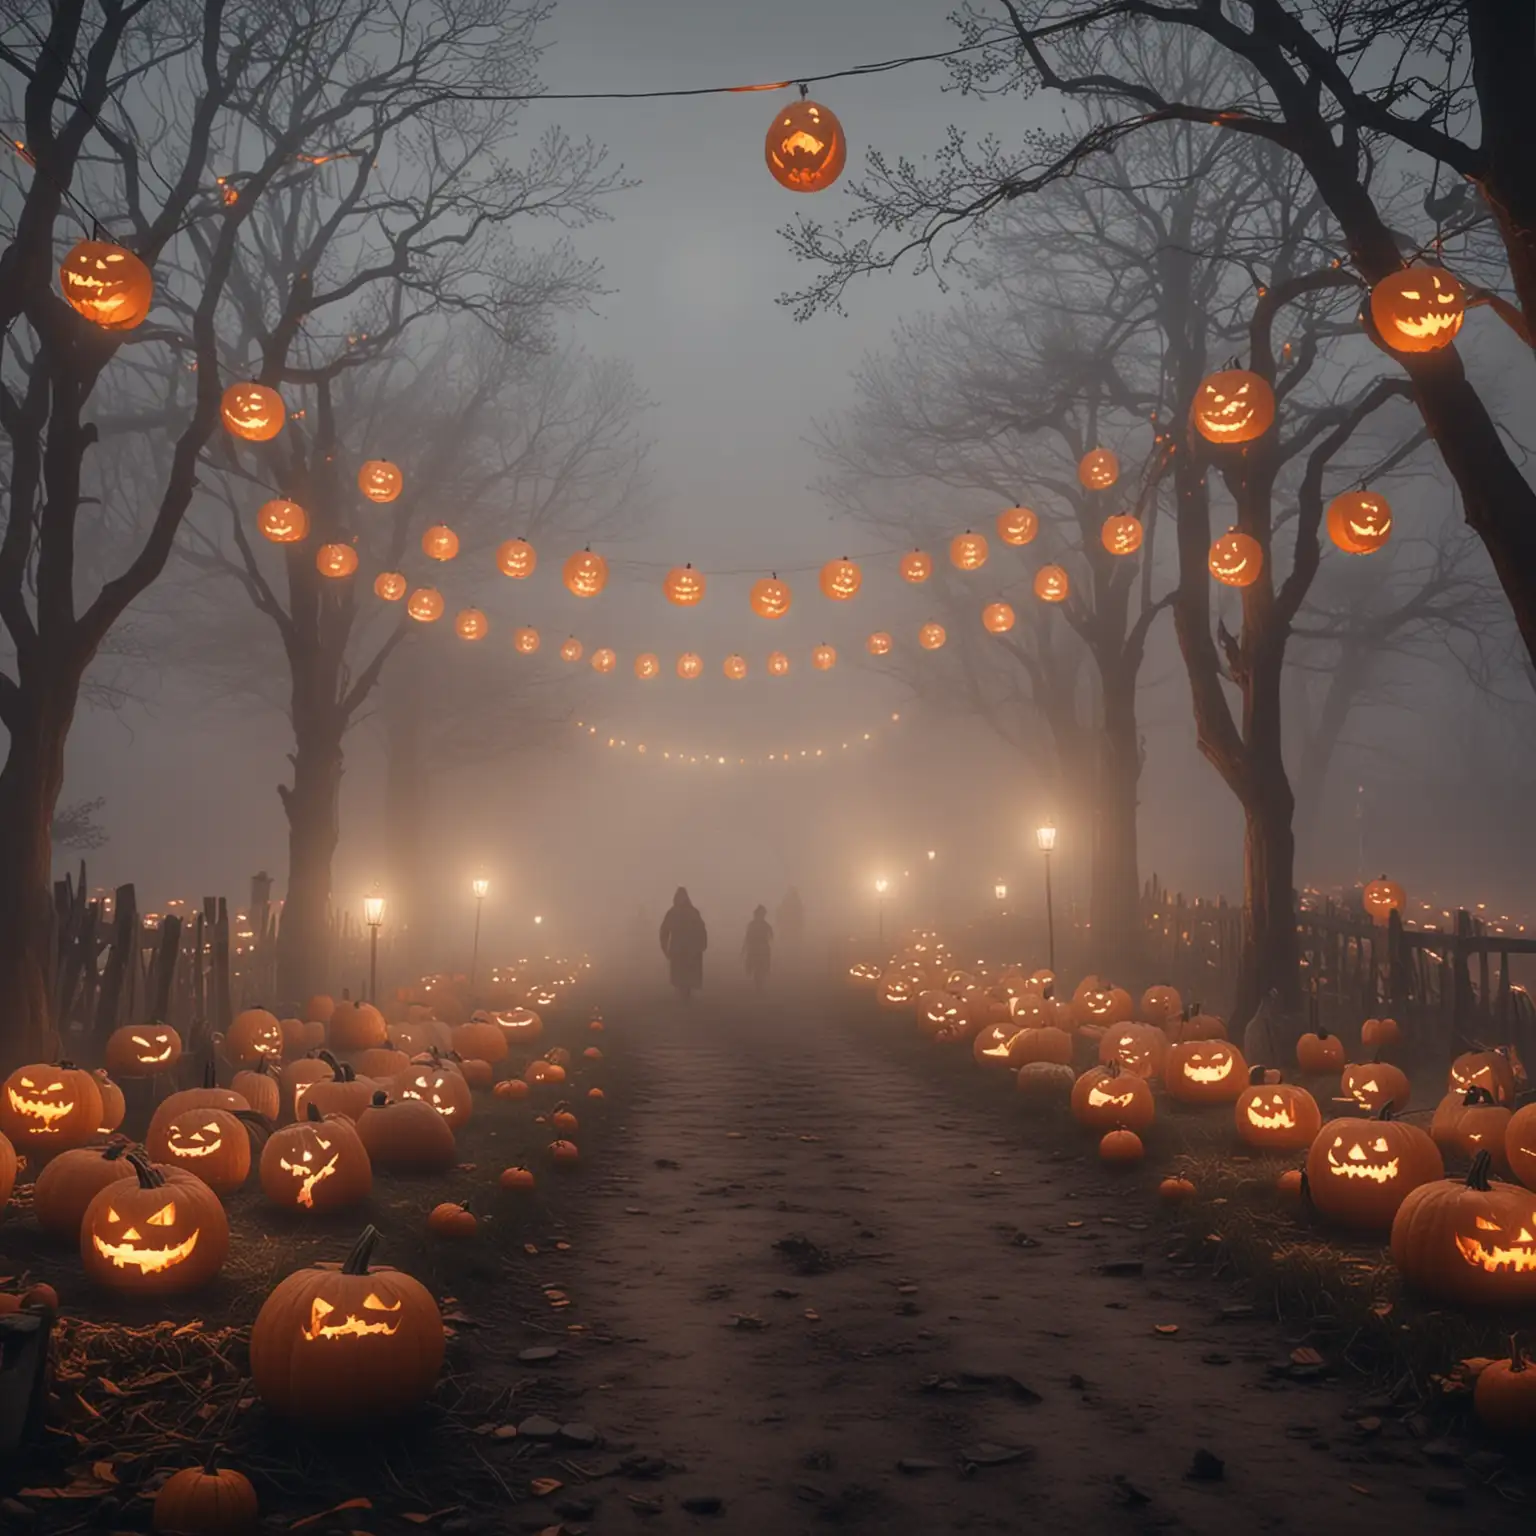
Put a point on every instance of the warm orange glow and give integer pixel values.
(570, 650)
(471, 624)
(516, 559)
(968, 551)
(390, 585)
(878, 644)
(931, 636)
(336, 560)
(805, 149)
(440, 542)
(379, 480)
(425, 605)
(525, 641)
(684, 586)
(1052, 584)
(778, 664)
(1017, 526)
(283, 522)
(824, 658)
(585, 573)
(1233, 406)
(841, 580)
(997, 618)
(1359, 522)
(349, 1326)
(604, 660)
(1121, 535)
(252, 411)
(647, 666)
(735, 667)
(770, 598)
(916, 566)
(1098, 469)
(1236, 559)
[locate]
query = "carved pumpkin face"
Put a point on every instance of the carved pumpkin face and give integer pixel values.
(252, 411)
(1160, 1005)
(525, 641)
(1276, 1117)
(684, 586)
(1136, 1048)
(690, 666)
(390, 585)
(931, 636)
(824, 658)
(425, 605)
(1106, 1099)
(968, 551)
(941, 1017)
(47, 1108)
(1017, 526)
(878, 644)
(1051, 584)
(516, 559)
(770, 598)
(441, 1087)
(1098, 469)
(777, 664)
(585, 574)
(916, 567)
(805, 149)
(440, 542)
(316, 1165)
(107, 284)
(841, 580)
(1419, 309)
(1359, 522)
(143, 1050)
(570, 650)
(898, 991)
(336, 560)
(997, 618)
(1235, 559)
(1121, 535)
(1233, 406)
(1375, 1084)
(1381, 898)
(1488, 1070)
(254, 1035)
(471, 624)
(863, 974)
(1359, 1171)
(379, 480)
(1204, 1072)
(161, 1233)
(735, 667)
(211, 1143)
(647, 666)
(282, 522)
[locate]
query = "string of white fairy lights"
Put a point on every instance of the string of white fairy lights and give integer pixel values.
(841, 750)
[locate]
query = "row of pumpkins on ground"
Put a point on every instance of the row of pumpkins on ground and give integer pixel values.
(1468, 1240)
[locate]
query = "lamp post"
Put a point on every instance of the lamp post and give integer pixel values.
(482, 888)
(373, 915)
(1045, 841)
(882, 885)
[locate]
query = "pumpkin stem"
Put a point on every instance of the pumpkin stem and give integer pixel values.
(312, 1112)
(1306, 1186)
(150, 1177)
(380, 1099)
(362, 1250)
(116, 1148)
(254, 1122)
(1385, 1112)
(1475, 1095)
(1477, 1175)
(1256, 1076)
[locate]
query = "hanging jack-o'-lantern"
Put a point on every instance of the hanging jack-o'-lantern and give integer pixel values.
(931, 636)
(1204, 1072)
(824, 658)
(425, 605)
(471, 624)
(1052, 584)
(252, 411)
(47, 1108)
(1360, 522)
(379, 480)
(1017, 526)
(282, 522)
(1468, 1241)
(1276, 1117)
(1098, 469)
(525, 641)
(440, 542)
(1359, 1171)
(841, 579)
(690, 666)
(968, 551)
(1106, 1099)
(1419, 309)
(805, 148)
(1235, 559)
(916, 567)
(1381, 898)
(735, 667)
(585, 574)
(158, 1234)
(1121, 535)
(570, 649)
(390, 585)
(1233, 406)
(684, 586)
(647, 666)
(336, 560)
(997, 618)
(142, 1050)
(770, 597)
(343, 1346)
(777, 664)
(107, 284)
(878, 644)
(1375, 1084)
(516, 559)
(317, 1164)
(604, 660)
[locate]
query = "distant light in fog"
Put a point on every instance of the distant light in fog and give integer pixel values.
(1045, 836)
(882, 885)
(933, 853)
(1000, 891)
(481, 887)
(537, 918)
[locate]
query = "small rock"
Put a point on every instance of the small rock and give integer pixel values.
(1076, 1383)
(1451, 1494)
(537, 1427)
(704, 1504)
(667, 1162)
(1206, 1468)
(584, 1435)
(539, 1354)
(985, 1454)
(640, 1465)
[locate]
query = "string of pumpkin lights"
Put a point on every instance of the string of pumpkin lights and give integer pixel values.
(692, 758)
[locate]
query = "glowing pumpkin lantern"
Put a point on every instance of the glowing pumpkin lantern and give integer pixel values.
(1136, 1048)
(1052, 584)
(1483, 1069)
(1359, 522)
(318, 1164)
(1381, 898)
(425, 605)
(471, 624)
(1098, 469)
(968, 551)
(997, 618)
(585, 574)
(770, 597)
(1121, 535)
(1235, 559)
(107, 284)
(778, 664)
(1520, 1144)
(336, 560)
(684, 586)
(49, 1108)
(390, 585)
(1204, 1072)
(210, 1143)
(1107, 1099)
(604, 660)
(516, 558)
(158, 1234)
(824, 658)
(805, 148)
(525, 641)
(255, 1034)
(878, 644)
(1319, 1051)
(252, 411)
(647, 666)
(1017, 526)
(1374, 1085)
(440, 542)
(1419, 309)
(282, 522)
(570, 650)
(916, 567)
(1276, 1117)
(690, 666)
(735, 667)
(379, 480)
(931, 636)
(1359, 1171)
(143, 1050)
(841, 579)
(1233, 406)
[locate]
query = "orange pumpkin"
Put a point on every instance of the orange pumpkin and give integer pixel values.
(1107, 1099)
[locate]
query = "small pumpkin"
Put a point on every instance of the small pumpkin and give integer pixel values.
(440, 1085)
(511, 1088)
(1483, 1069)
(450, 1220)
(1476, 1125)
(1379, 1033)
(343, 1092)
(356, 1026)
(158, 1234)
(1139, 1048)
(1160, 1005)
(317, 1164)
(563, 1153)
(1175, 1191)
(1505, 1396)
(206, 1501)
(1106, 1099)
(1120, 1147)
(516, 1178)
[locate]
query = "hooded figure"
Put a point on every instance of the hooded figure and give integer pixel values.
(683, 942)
(757, 947)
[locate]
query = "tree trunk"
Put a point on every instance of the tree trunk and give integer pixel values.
(1114, 905)
(314, 828)
(42, 710)
(1271, 959)
(405, 817)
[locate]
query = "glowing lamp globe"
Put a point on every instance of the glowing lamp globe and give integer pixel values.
(1236, 559)
(878, 644)
(283, 522)
(770, 598)
(931, 636)
(684, 586)
(252, 411)
(840, 579)
(440, 542)
(805, 148)
(516, 559)
(735, 667)
(604, 660)
(1121, 535)
(778, 664)
(336, 560)
(379, 480)
(107, 284)
(390, 585)
(968, 551)
(1098, 469)
(824, 658)
(585, 574)
(570, 650)
(525, 641)
(425, 605)
(690, 666)
(1359, 522)
(1052, 584)
(471, 624)
(1419, 309)
(647, 666)
(1233, 406)
(997, 618)
(1017, 526)
(916, 566)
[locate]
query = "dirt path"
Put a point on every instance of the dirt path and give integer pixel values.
(759, 1121)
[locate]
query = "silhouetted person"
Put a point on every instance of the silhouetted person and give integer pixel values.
(683, 941)
(791, 917)
(757, 948)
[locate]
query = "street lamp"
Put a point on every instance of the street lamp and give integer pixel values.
(1045, 841)
(482, 888)
(1000, 891)
(882, 885)
(373, 915)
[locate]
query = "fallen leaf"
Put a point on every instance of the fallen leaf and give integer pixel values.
(436, 1514)
(542, 1487)
(336, 1509)
(105, 1471)
(530, 1247)
(812, 1315)
(1305, 1355)
(1166, 1329)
